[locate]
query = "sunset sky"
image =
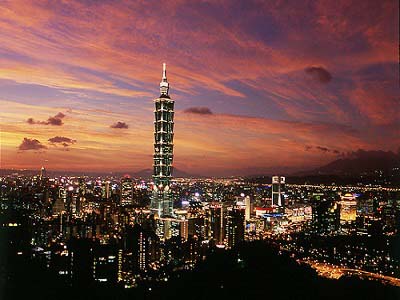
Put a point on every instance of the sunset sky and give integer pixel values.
(259, 86)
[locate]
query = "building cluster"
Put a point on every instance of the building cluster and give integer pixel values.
(104, 230)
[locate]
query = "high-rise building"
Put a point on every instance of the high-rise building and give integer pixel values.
(105, 263)
(216, 223)
(325, 214)
(58, 206)
(278, 187)
(43, 173)
(105, 190)
(197, 226)
(248, 208)
(235, 224)
(142, 246)
(82, 186)
(69, 202)
(162, 200)
(348, 208)
(126, 190)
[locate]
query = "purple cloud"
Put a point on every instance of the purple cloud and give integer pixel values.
(322, 149)
(31, 144)
(120, 125)
(319, 74)
(62, 140)
(55, 121)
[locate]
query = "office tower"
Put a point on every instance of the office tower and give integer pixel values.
(197, 227)
(43, 173)
(216, 223)
(162, 202)
(105, 263)
(142, 258)
(67, 195)
(191, 252)
(78, 204)
(105, 192)
(62, 195)
(325, 214)
(365, 214)
(82, 186)
(126, 191)
(142, 246)
(248, 208)
(184, 229)
(235, 224)
(390, 217)
(44, 183)
(81, 258)
(348, 208)
(365, 206)
(278, 187)
(179, 228)
(58, 206)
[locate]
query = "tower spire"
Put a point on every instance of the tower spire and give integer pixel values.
(164, 85)
(164, 73)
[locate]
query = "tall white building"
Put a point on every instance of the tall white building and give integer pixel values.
(278, 188)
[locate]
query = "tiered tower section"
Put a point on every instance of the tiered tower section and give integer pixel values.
(162, 202)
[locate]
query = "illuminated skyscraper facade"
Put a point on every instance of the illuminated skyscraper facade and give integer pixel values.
(278, 188)
(235, 224)
(216, 223)
(126, 191)
(248, 208)
(162, 201)
(43, 173)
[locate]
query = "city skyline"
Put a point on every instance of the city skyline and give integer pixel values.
(272, 86)
(266, 164)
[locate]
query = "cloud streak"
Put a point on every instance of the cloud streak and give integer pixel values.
(198, 110)
(322, 149)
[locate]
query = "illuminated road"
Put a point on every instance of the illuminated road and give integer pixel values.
(361, 188)
(335, 272)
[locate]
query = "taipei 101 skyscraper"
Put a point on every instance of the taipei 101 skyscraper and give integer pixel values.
(162, 201)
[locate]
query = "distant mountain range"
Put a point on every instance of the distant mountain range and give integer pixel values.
(358, 162)
(354, 163)
(145, 173)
